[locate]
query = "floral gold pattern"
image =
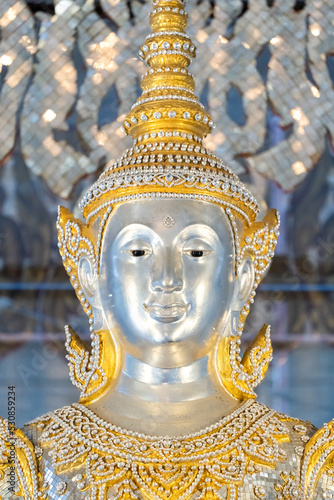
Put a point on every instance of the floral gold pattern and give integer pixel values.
(241, 377)
(162, 468)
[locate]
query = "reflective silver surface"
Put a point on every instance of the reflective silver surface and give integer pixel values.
(167, 305)
(167, 290)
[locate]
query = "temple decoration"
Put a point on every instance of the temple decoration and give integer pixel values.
(318, 457)
(253, 452)
(241, 377)
(73, 136)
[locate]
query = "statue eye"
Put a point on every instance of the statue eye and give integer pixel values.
(138, 253)
(197, 253)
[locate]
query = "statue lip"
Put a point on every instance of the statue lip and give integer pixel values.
(167, 313)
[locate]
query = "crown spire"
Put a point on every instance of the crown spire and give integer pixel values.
(168, 102)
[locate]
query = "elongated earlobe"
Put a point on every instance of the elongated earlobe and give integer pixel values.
(88, 279)
(247, 276)
(244, 283)
(241, 376)
(75, 241)
(89, 284)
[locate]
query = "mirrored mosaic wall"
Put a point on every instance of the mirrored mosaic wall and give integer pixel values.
(69, 70)
(69, 73)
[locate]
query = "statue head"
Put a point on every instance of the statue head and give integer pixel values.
(168, 259)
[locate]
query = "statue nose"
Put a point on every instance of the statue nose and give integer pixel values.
(167, 273)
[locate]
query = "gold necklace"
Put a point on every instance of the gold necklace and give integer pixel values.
(133, 465)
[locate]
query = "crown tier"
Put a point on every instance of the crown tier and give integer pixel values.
(168, 101)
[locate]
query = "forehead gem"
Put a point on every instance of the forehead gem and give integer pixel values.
(169, 221)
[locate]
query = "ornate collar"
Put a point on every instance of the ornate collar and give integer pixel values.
(162, 468)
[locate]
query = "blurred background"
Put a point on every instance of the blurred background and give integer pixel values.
(69, 72)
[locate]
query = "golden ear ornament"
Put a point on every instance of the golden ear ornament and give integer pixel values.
(241, 377)
(91, 371)
(258, 241)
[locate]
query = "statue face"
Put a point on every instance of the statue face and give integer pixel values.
(167, 278)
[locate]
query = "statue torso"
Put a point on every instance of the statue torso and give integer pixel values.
(254, 453)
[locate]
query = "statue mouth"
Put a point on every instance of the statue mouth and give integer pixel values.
(167, 313)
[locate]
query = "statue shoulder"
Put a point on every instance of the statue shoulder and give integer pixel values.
(19, 475)
(317, 466)
(300, 431)
(27, 469)
(24, 461)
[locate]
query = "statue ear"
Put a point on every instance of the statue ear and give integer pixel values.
(76, 246)
(244, 283)
(88, 280)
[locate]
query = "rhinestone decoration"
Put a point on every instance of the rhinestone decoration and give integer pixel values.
(169, 221)
(250, 452)
(112, 455)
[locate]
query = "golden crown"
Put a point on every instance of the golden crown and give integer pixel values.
(168, 124)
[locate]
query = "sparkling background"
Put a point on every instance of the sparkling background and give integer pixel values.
(69, 72)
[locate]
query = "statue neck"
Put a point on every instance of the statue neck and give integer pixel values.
(160, 401)
(136, 371)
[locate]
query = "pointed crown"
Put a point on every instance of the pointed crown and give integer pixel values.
(168, 124)
(168, 101)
